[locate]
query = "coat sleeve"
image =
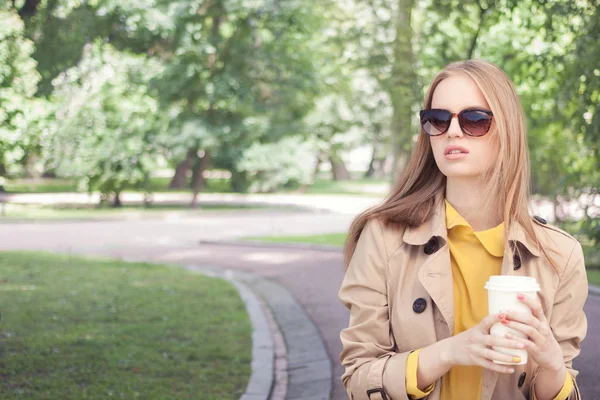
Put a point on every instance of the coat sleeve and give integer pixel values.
(568, 320)
(373, 370)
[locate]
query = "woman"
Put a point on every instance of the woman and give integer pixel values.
(417, 264)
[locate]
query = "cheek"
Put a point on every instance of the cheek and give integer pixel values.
(487, 152)
(437, 145)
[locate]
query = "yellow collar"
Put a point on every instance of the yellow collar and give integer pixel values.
(491, 239)
(436, 227)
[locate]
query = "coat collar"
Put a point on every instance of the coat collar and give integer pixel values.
(436, 227)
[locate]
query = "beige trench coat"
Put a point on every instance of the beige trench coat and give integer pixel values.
(398, 288)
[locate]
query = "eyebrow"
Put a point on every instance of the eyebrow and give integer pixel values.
(465, 108)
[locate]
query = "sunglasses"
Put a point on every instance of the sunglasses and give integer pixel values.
(472, 121)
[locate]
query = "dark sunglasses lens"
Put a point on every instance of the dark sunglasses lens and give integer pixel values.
(477, 123)
(435, 122)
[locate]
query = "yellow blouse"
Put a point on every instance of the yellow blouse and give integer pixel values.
(474, 257)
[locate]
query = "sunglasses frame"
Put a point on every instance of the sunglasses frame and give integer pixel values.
(459, 115)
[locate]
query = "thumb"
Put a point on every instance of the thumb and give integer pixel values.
(487, 322)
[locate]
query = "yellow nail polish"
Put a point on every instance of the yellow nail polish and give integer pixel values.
(516, 359)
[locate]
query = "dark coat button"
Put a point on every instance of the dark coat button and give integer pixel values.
(419, 305)
(540, 220)
(430, 246)
(522, 379)
(516, 262)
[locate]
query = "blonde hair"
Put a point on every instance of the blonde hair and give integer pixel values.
(411, 202)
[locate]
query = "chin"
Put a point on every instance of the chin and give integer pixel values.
(453, 172)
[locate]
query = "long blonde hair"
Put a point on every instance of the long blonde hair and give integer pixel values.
(411, 201)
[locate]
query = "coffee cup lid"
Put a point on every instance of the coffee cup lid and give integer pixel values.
(512, 283)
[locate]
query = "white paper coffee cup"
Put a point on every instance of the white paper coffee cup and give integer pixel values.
(502, 296)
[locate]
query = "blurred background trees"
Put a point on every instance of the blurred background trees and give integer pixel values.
(270, 95)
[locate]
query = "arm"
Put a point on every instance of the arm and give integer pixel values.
(368, 347)
(555, 342)
(569, 326)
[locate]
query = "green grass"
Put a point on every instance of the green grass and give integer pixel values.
(156, 184)
(332, 239)
(75, 328)
(594, 276)
(33, 212)
(359, 186)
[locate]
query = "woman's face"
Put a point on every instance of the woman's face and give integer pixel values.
(454, 94)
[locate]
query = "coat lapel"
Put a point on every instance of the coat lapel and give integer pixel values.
(435, 271)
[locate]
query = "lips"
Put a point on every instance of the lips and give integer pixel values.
(453, 148)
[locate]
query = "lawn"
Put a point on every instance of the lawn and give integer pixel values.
(34, 212)
(75, 328)
(332, 239)
(362, 187)
(156, 184)
(358, 186)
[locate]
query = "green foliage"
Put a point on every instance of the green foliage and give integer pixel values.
(24, 120)
(107, 121)
(272, 166)
(101, 90)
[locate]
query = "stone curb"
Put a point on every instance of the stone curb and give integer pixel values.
(257, 244)
(309, 366)
(263, 356)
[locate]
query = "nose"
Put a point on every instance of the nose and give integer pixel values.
(454, 129)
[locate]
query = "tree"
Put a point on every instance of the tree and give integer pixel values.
(108, 121)
(231, 64)
(21, 114)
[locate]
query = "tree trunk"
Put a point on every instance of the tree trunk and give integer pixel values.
(371, 169)
(557, 210)
(482, 14)
(178, 181)
(29, 8)
(30, 171)
(198, 177)
(117, 200)
(402, 87)
(338, 168)
(318, 162)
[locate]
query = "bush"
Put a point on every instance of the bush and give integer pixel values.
(287, 163)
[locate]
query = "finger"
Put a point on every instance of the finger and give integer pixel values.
(528, 344)
(534, 304)
(499, 341)
(487, 322)
(487, 364)
(490, 354)
(528, 330)
(524, 318)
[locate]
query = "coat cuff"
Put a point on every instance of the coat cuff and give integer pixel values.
(566, 390)
(412, 388)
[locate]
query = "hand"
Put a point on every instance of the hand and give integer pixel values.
(540, 342)
(473, 347)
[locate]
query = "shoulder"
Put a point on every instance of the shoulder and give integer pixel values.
(551, 235)
(560, 243)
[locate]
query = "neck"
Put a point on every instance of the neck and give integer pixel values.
(462, 193)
